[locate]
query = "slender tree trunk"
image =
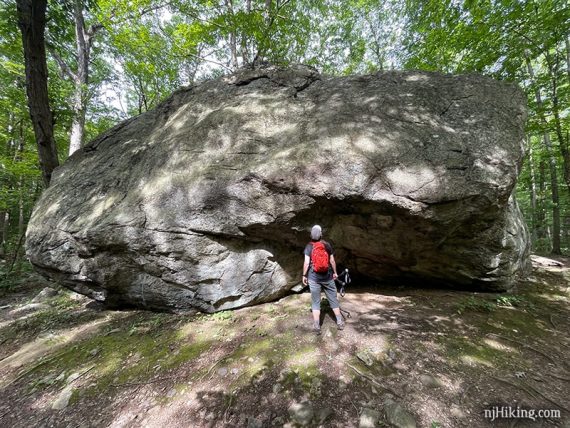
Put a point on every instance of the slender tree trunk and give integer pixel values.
(377, 48)
(532, 190)
(541, 213)
(32, 20)
(18, 158)
(233, 39)
(5, 231)
(3, 215)
(567, 42)
(555, 198)
(244, 47)
(83, 53)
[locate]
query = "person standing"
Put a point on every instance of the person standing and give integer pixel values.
(319, 271)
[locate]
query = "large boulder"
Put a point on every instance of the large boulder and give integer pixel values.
(207, 200)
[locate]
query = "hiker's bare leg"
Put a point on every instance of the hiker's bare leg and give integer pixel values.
(337, 313)
(316, 316)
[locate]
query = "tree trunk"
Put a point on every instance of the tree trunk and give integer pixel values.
(541, 213)
(32, 20)
(83, 53)
(532, 190)
(555, 198)
(567, 41)
(233, 39)
(244, 47)
(18, 158)
(3, 215)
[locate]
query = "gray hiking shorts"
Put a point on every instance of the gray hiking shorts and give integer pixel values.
(330, 292)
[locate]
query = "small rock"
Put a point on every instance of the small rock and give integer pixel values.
(44, 295)
(302, 413)
(254, 423)
(398, 416)
(171, 393)
(77, 297)
(235, 371)
(457, 412)
(94, 352)
(368, 418)
(60, 377)
(430, 381)
(222, 371)
(399, 366)
(365, 357)
(277, 388)
(63, 399)
(72, 377)
(321, 415)
(278, 421)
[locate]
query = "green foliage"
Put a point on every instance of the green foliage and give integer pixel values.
(475, 304)
(221, 316)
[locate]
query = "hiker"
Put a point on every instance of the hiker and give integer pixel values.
(319, 270)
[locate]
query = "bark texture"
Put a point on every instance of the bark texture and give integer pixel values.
(32, 20)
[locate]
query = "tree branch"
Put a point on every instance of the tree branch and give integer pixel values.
(65, 70)
(93, 29)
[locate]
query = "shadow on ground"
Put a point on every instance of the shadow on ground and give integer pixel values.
(440, 358)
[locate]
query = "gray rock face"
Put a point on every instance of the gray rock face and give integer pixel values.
(207, 200)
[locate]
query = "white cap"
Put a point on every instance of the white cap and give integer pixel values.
(316, 232)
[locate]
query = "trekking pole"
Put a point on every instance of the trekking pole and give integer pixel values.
(342, 291)
(343, 283)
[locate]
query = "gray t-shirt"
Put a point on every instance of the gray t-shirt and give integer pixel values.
(314, 276)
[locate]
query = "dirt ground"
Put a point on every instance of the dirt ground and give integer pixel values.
(433, 358)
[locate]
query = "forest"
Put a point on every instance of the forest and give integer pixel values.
(111, 60)
(157, 281)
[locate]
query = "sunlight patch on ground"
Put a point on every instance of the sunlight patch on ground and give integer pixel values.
(498, 346)
(43, 346)
(472, 360)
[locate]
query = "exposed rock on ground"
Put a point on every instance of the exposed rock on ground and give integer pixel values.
(207, 200)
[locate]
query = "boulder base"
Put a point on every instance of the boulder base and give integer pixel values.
(207, 201)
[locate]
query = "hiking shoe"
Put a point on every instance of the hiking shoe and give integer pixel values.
(317, 329)
(340, 325)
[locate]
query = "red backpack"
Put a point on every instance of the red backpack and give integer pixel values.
(320, 258)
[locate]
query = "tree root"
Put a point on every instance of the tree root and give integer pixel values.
(552, 322)
(525, 346)
(36, 366)
(559, 377)
(531, 390)
(370, 379)
(117, 385)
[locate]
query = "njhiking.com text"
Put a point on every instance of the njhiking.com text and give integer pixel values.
(508, 412)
